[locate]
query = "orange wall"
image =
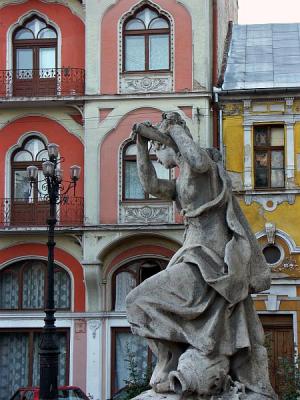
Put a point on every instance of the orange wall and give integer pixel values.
(27, 250)
(183, 44)
(71, 147)
(109, 161)
(72, 29)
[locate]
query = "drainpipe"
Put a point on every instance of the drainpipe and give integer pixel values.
(219, 111)
(216, 142)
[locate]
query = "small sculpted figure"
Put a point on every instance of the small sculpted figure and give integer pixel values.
(197, 314)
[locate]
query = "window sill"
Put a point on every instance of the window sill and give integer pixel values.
(269, 199)
(146, 82)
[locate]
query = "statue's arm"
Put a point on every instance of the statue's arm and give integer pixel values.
(162, 188)
(194, 155)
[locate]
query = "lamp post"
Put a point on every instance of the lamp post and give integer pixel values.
(52, 185)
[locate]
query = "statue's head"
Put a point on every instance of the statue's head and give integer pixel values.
(172, 118)
(166, 155)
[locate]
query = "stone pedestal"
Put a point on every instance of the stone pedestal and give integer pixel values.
(233, 394)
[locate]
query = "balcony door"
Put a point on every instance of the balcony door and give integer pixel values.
(35, 59)
(28, 206)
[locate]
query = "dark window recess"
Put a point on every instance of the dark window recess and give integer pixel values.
(272, 254)
(146, 42)
(269, 169)
(130, 275)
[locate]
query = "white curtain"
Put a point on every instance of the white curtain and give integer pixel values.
(34, 286)
(125, 282)
(14, 359)
(62, 289)
(133, 187)
(9, 290)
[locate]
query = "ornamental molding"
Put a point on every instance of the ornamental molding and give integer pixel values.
(147, 214)
(270, 202)
(146, 84)
(93, 326)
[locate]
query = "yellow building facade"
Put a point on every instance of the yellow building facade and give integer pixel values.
(259, 135)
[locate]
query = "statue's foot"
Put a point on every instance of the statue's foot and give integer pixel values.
(162, 387)
(167, 362)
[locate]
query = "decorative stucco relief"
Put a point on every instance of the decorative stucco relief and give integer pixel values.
(270, 202)
(147, 83)
(133, 214)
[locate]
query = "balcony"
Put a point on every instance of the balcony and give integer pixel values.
(19, 213)
(58, 82)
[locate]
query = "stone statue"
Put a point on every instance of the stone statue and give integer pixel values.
(197, 314)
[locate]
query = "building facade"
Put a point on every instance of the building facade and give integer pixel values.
(259, 124)
(79, 74)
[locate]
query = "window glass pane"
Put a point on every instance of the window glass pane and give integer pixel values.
(131, 150)
(129, 347)
(47, 34)
(35, 26)
(272, 254)
(34, 286)
(24, 34)
(47, 62)
(21, 186)
(134, 24)
(134, 53)
(42, 187)
(61, 340)
(24, 63)
(34, 146)
(9, 290)
(62, 288)
(277, 159)
(14, 363)
(23, 156)
(159, 52)
(159, 23)
(277, 136)
(42, 156)
(277, 178)
(133, 187)
(147, 15)
(125, 282)
(261, 169)
(261, 136)
(161, 171)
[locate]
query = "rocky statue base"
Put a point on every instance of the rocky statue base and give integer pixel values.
(233, 393)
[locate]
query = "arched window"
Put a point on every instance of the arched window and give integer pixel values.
(146, 42)
(28, 205)
(132, 188)
(23, 286)
(130, 275)
(35, 58)
(128, 349)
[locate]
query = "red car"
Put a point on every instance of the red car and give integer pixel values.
(64, 392)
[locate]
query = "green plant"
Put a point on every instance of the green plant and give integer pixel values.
(289, 375)
(137, 382)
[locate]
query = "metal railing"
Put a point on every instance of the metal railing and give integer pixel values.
(46, 82)
(21, 213)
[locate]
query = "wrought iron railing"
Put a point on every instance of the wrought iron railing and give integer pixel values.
(42, 82)
(21, 213)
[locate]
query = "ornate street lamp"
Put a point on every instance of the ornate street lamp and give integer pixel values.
(53, 191)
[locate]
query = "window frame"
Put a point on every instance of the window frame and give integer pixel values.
(145, 33)
(18, 269)
(133, 158)
(268, 149)
(113, 333)
(31, 332)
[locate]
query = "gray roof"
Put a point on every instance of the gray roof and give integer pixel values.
(263, 56)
